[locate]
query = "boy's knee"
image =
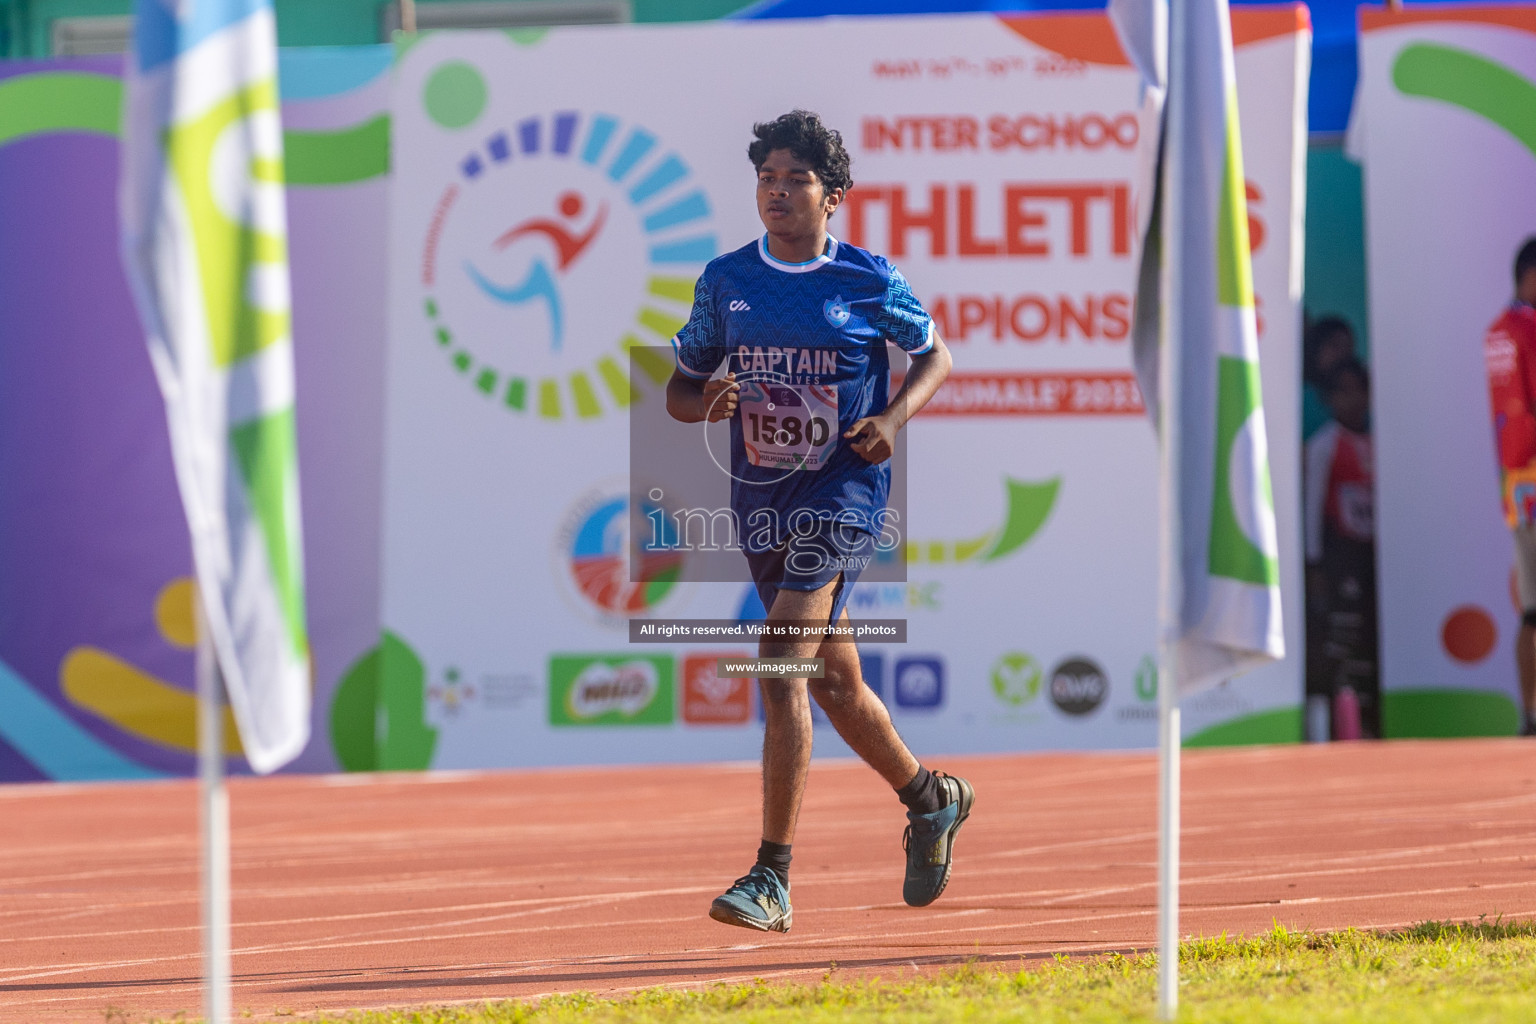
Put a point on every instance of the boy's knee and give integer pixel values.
(781, 693)
(838, 687)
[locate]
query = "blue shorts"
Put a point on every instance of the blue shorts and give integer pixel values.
(810, 560)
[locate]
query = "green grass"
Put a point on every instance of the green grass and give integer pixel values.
(1429, 973)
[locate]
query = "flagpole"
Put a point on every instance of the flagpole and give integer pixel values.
(1168, 840)
(214, 807)
(1170, 404)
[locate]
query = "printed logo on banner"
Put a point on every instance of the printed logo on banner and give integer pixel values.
(510, 691)
(711, 700)
(918, 683)
(1029, 505)
(1078, 686)
(448, 696)
(1146, 693)
(610, 689)
(1146, 679)
(556, 245)
(591, 556)
(1220, 700)
(868, 597)
(1016, 679)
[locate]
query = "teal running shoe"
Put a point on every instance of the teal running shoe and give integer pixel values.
(930, 842)
(756, 900)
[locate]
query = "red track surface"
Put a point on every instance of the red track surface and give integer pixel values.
(365, 891)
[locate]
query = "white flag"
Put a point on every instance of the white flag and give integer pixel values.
(1224, 611)
(206, 249)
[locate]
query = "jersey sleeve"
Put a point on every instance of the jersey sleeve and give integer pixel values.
(699, 346)
(903, 319)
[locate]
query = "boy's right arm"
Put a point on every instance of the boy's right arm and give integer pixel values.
(692, 395)
(692, 401)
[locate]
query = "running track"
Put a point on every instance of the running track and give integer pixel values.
(367, 891)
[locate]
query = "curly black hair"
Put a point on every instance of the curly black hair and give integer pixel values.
(802, 133)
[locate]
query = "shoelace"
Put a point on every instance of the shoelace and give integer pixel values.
(756, 884)
(928, 826)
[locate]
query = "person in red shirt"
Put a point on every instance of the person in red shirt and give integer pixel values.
(1340, 515)
(1509, 351)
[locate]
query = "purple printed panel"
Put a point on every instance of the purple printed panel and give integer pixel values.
(96, 666)
(91, 530)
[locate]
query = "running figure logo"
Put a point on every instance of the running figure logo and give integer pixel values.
(555, 244)
(539, 283)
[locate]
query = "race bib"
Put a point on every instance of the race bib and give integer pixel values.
(1357, 511)
(789, 426)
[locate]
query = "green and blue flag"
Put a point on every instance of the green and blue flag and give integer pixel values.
(205, 244)
(1195, 295)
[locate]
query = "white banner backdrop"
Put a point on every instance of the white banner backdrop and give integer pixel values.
(1443, 127)
(555, 195)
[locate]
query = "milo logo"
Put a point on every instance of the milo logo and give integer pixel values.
(610, 689)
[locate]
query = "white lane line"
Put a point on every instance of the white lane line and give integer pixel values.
(1038, 897)
(330, 942)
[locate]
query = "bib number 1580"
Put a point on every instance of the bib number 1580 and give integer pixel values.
(788, 431)
(789, 426)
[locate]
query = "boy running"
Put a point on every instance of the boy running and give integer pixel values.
(801, 322)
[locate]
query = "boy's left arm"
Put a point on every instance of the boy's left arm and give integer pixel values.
(874, 437)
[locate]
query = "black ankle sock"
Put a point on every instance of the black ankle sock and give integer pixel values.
(774, 857)
(922, 795)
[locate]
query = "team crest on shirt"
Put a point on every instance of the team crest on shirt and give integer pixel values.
(836, 311)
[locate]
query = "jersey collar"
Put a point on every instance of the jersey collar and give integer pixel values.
(797, 268)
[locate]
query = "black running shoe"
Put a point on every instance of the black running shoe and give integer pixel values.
(930, 842)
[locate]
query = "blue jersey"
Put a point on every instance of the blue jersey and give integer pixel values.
(807, 342)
